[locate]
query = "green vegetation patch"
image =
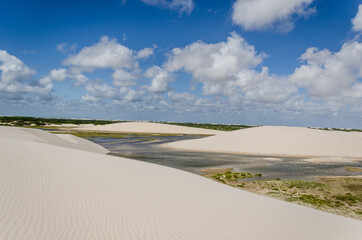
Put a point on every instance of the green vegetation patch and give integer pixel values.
(348, 198)
(304, 184)
(333, 194)
(339, 195)
(353, 169)
(226, 175)
(313, 200)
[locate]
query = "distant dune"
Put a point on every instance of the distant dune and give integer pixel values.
(148, 127)
(274, 140)
(50, 189)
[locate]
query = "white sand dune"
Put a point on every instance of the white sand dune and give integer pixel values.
(61, 140)
(148, 127)
(48, 191)
(274, 140)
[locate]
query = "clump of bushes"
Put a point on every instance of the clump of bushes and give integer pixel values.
(234, 176)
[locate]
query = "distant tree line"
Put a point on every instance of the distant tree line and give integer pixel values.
(341, 129)
(212, 126)
(34, 121)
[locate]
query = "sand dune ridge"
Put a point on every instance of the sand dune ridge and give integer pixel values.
(276, 140)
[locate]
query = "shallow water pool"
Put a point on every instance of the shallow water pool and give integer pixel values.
(147, 148)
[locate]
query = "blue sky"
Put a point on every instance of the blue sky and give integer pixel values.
(271, 62)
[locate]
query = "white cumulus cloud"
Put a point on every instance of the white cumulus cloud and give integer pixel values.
(13, 69)
(145, 53)
(160, 79)
(66, 47)
(107, 53)
(265, 14)
(265, 88)
(214, 62)
(98, 90)
(182, 97)
(61, 74)
(228, 68)
(357, 21)
(178, 5)
(16, 77)
(123, 78)
(89, 98)
(132, 96)
(328, 75)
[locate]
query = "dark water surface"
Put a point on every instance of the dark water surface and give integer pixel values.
(147, 149)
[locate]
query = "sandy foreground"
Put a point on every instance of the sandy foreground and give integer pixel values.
(275, 140)
(147, 127)
(62, 187)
